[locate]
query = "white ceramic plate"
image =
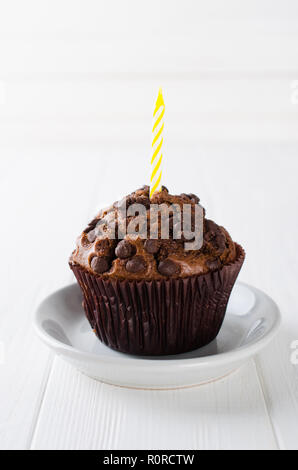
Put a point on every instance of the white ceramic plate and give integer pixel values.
(251, 321)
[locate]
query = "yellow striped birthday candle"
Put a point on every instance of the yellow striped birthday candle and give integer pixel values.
(157, 140)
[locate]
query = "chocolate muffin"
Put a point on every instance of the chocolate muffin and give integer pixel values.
(147, 294)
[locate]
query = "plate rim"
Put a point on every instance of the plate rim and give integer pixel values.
(223, 358)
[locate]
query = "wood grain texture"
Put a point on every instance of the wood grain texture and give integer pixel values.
(76, 94)
(103, 39)
(86, 71)
(93, 17)
(80, 413)
(27, 273)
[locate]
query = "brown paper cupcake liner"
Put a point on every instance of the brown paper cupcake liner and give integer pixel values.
(158, 317)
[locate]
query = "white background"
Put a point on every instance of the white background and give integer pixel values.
(78, 81)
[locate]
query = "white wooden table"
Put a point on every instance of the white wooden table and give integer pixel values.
(47, 196)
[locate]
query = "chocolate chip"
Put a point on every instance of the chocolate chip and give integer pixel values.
(194, 198)
(91, 236)
(136, 264)
(144, 200)
(217, 240)
(99, 264)
(88, 229)
(210, 226)
(125, 249)
(93, 222)
(152, 246)
(168, 267)
(221, 243)
(213, 264)
(104, 247)
(91, 225)
(144, 188)
(209, 236)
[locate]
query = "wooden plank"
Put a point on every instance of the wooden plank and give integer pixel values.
(120, 39)
(92, 101)
(279, 376)
(80, 413)
(280, 386)
(128, 134)
(100, 18)
(34, 264)
(92, 112)
(124, 57)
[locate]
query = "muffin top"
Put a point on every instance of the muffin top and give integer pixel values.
(106, 249)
